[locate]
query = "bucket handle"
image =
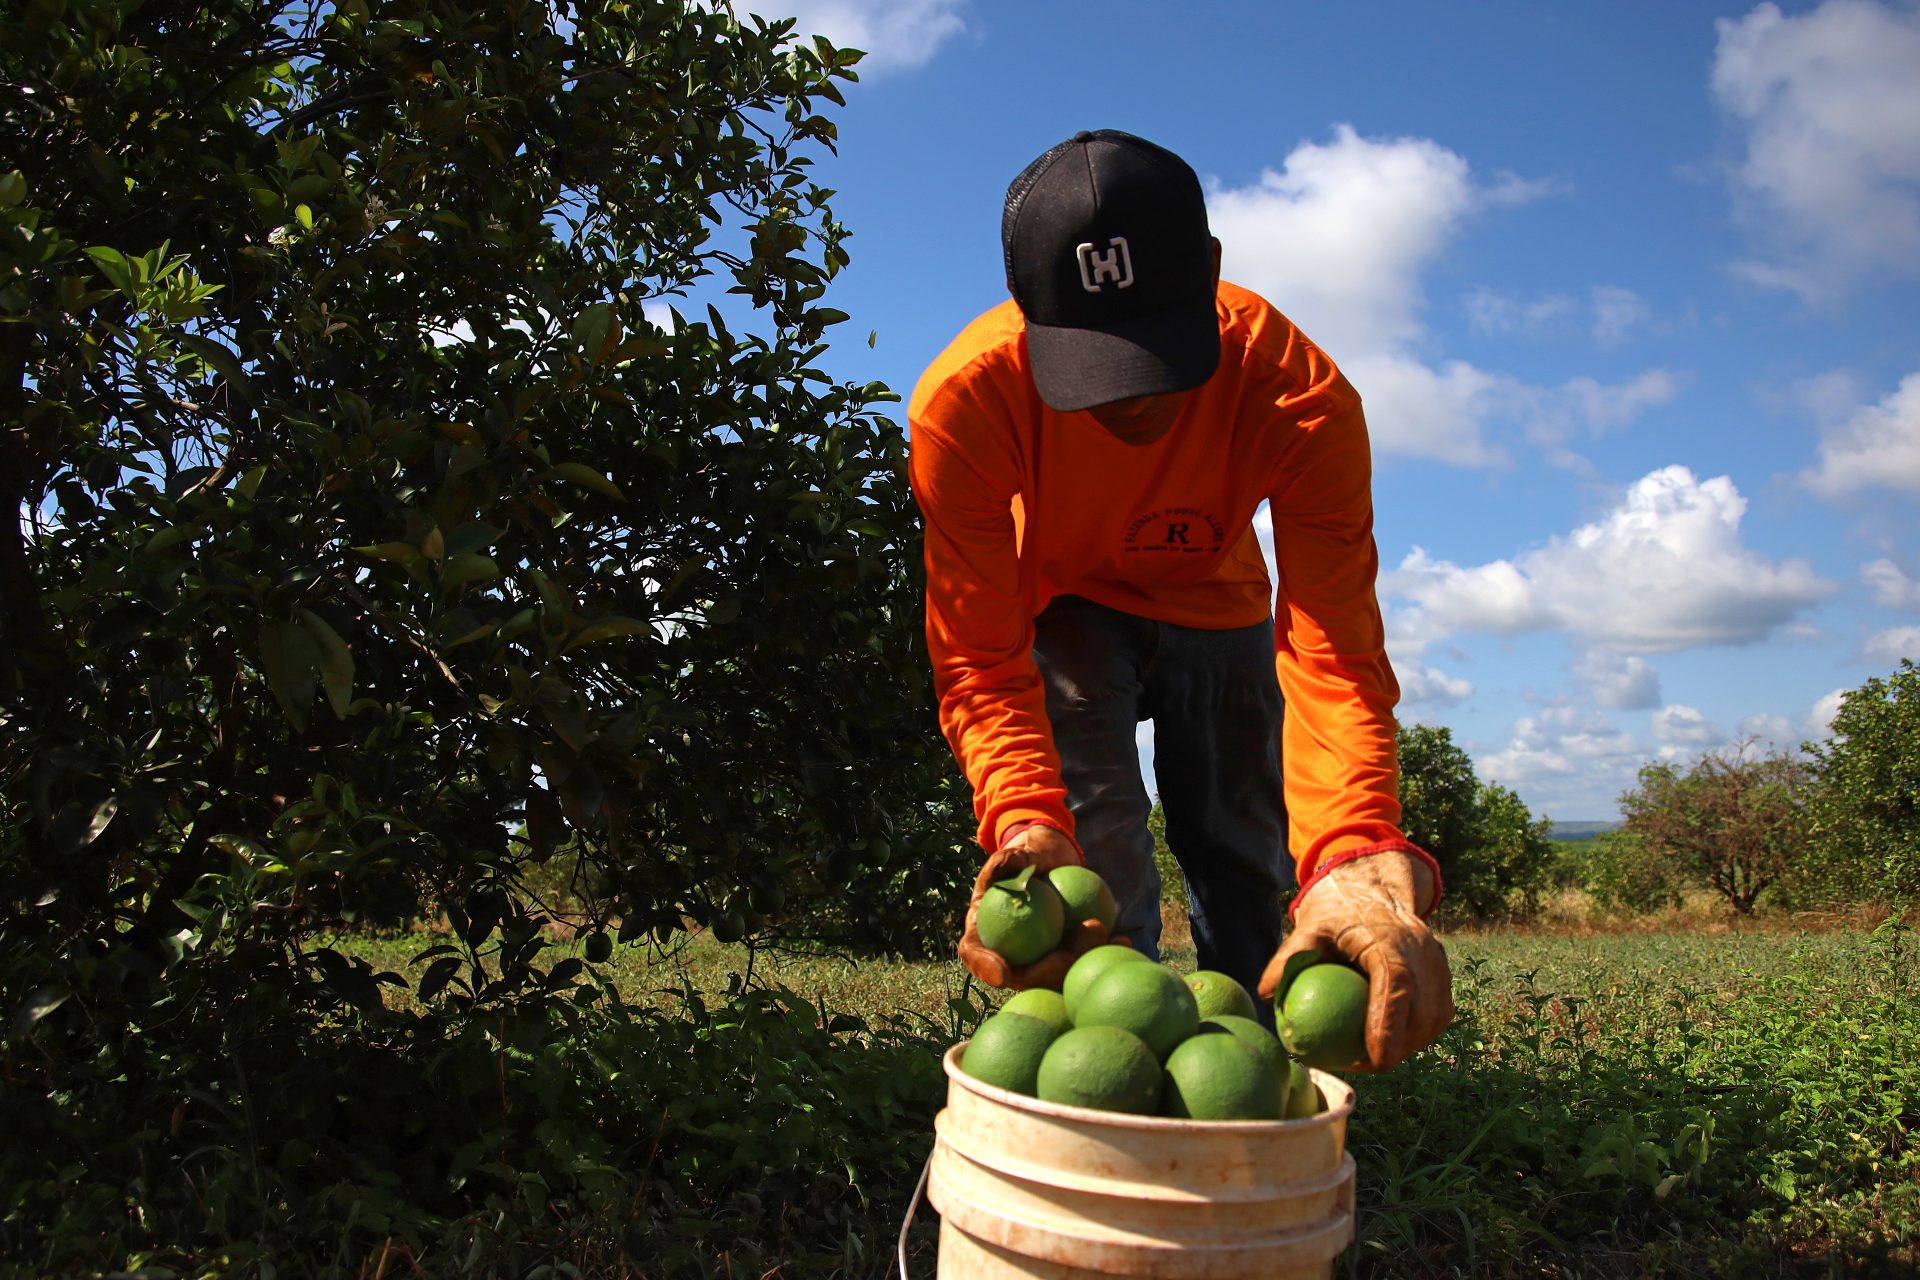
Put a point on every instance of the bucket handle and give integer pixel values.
(913, 1207)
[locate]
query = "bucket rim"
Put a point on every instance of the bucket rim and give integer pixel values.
(1338, 1093)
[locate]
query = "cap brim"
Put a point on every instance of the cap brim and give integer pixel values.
(1172, 350)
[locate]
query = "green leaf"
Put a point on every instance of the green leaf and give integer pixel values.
(114, 266)
(472, 567)
(336, 661)
(587, 478)
(291, 660)
(13, 188)
(35, 1007)
(221, 359)
(607, 629)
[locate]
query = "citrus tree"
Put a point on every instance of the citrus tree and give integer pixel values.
(420, 469)
(1864, 806)
(1494, 856)
(1736, 817)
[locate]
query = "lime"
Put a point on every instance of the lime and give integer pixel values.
(1150, 1000)
(1091, 964)
(1217, 993)
(1085, 895)
(1303, 1095)
(1252, 1035)
(1215, 1077)
(1039, 1002)
(1006, 1050)
(1103, 1067)
(1021, 918)
(1324, 1016)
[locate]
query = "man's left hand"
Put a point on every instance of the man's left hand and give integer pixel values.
(1367, 912)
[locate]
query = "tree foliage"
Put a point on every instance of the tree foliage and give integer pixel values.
(415, 418)
(1864, 806)
(1736, 818)
(1494, 856)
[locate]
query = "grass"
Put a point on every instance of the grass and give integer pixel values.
(1693, 1100)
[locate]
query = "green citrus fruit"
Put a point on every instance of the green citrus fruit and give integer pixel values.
(1021, 918)
(1104, 1067)
(1303, 1095)
(1252, 1035)
(1324, 1016)
(1085, 895)
(1216, 993)
(599, 947)
(1039, 1002)
(1006, 1050)
(729, 926)
(1215, 1077)
(1091, 964)
(1150, 1000)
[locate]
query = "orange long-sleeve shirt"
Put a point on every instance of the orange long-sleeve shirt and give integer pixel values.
(1023, 503)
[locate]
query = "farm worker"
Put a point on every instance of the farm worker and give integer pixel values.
(1088, 457)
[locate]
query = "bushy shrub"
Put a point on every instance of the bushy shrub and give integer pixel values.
(1621, 873)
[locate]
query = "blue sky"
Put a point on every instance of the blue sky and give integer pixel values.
(1629, 291)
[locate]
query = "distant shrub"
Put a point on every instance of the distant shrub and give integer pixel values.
(1622, 873)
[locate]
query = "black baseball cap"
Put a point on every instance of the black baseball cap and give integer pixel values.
(1111, 263)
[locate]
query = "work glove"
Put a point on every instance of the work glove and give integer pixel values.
(1040, 846)
(1368, 911)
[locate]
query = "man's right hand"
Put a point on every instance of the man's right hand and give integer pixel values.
(1032, 846)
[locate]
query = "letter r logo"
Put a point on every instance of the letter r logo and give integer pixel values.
(1099, 268)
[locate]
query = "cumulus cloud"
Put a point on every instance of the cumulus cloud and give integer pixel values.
(1430, 687)
(1891, 585)
(1683, 731)
(1564, 756)
(1619, 682)
(1340, 237)
(896, 35)
(1877, 446)
(1339, 234)
(1827, 708)
(1830, 109)
(1665, 570)
(1888, 647)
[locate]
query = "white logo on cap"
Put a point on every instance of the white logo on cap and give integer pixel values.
(1099, 269)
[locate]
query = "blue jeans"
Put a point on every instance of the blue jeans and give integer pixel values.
(1216, 709)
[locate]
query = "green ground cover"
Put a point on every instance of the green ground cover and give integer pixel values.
(1731, 1103)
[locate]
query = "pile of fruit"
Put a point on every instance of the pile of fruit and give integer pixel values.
(1125, 1033)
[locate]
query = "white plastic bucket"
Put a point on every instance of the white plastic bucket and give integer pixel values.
(1039, 1189)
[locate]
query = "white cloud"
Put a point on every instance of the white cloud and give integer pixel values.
(896, 35)
(1827, 708)
(1560, 759)
(1492, 312)
(1830, 104)
(1685, 728)
(1888, 647)
(1340, 237)
(1430, 687)
(659, 313)
(1619, 682)
(1617, 312)
(1891, 585)
(1663, 571)
(1415, 409)
(1878, 446)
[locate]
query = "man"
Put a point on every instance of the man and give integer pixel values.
(1088, 458)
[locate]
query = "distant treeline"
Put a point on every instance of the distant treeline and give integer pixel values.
(1580, 830)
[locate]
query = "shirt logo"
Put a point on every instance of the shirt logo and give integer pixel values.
(1176, 531)
(1101, 267)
